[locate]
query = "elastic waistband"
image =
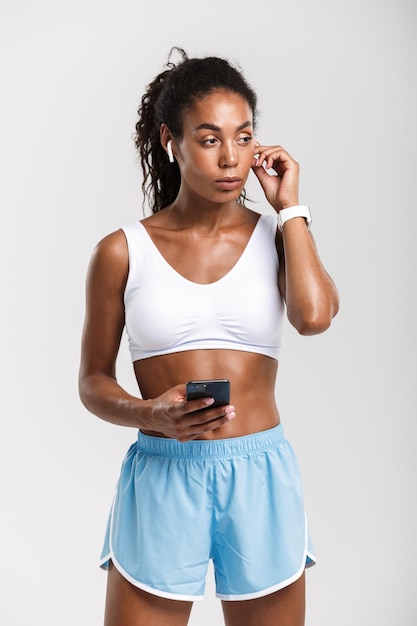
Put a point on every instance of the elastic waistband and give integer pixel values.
(204, 449)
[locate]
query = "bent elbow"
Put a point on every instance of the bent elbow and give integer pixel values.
(83, 391)
(315, 315)
(86, 389)
(313, 327)
(314, 322)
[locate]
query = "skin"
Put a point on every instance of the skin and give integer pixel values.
(207, 221)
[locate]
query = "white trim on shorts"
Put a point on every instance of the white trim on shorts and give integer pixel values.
(224, 597)
(152, 590)
(281, 585)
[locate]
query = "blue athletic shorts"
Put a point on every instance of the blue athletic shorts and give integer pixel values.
(236, 501)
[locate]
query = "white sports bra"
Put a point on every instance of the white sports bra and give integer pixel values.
(166, 313)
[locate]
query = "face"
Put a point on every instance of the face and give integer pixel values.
(216, 151)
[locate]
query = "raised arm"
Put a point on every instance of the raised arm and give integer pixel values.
(309, 292)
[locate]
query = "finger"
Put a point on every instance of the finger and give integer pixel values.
(197, 430)
(273, 157)
(261, 173)
(204, 416)
(190, 406)
(214, 423)
(258, 149)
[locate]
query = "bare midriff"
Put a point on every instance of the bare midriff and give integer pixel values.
(252, 384)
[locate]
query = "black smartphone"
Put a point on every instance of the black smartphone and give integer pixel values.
(219, 389)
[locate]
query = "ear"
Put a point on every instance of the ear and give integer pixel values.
(165, 136)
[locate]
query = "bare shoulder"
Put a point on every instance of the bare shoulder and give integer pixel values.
(110, 257)
(112, 247)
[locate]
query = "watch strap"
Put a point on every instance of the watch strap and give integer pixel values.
(299, 210)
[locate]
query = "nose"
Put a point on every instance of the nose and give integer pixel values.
(228, 156)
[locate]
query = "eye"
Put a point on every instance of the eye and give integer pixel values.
(245, 139)
(209, 141)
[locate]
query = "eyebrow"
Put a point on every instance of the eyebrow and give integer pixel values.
(206, 126)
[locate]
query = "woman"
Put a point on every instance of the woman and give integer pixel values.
(200, 286)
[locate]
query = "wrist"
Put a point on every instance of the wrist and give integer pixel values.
(288, 204)
(291, 212)
(145, 414)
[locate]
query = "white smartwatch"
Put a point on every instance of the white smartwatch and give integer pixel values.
(294, 211)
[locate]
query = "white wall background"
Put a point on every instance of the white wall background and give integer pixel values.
(336, 83)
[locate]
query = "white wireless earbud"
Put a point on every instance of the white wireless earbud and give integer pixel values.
(169, 150)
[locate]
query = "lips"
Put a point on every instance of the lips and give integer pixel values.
(228, 183)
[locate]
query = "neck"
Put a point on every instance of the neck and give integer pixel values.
(190, 209)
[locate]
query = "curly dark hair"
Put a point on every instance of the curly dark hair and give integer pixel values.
(165, 100)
